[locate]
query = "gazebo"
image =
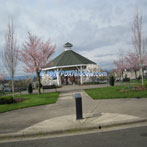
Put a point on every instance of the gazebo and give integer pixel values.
(68, 61)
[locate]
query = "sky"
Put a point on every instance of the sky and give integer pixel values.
(98, 29)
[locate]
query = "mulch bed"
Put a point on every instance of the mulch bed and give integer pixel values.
(18, 100)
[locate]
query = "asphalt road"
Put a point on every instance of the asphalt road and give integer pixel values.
(133, 137)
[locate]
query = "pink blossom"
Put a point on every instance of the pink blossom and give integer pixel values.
(132, 61)
(35, 54)
(2, 76)
(120, 64)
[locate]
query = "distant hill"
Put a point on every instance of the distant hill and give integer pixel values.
(21, 77)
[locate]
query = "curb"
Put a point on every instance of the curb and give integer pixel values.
(70, 130)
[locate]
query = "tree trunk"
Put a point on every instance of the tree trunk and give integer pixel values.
(135, 74)
(142, 75)
(122, 76)
(140, 60)
(39, 82)
(12, 80)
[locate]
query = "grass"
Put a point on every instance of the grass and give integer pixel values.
(138, 81)
(30, 101)
(4, 93)
(115, 92)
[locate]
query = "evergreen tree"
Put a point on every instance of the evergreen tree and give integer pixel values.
(30, 89)
(112, 80)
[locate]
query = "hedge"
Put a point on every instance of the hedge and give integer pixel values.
(6, 100)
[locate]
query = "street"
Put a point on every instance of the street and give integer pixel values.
(135, 137)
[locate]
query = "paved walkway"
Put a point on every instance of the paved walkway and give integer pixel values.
(17, 120)
(68, 122)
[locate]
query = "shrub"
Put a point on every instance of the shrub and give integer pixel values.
(133, 88)
(128, 89)
(49, 86)
(140, 88)
(6, 100)
(90, 83)
(112, 80)
(126, 80)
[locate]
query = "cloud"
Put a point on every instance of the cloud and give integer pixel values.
(101, 27)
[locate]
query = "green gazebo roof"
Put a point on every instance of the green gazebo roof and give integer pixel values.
(68, 58)
(68, 44)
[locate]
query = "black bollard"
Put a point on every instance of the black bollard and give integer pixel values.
(78, 100)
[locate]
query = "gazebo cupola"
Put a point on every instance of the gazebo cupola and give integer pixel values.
(67, 46)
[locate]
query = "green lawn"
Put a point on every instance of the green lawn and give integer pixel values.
(115, 92)
(31, 100)
(138, 81)
(6, 93)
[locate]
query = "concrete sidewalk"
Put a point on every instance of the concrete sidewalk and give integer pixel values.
(60, 117)
(68, 124)
(65, 123)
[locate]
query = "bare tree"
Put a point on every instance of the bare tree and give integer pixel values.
(10, 53)
(145, 52)
(137, 40)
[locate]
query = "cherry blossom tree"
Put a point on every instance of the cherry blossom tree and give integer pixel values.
(35, 54)
(92, 68)
(3, 76)
(10, 53)
(120, 64)
(145, 60)
(132, 62)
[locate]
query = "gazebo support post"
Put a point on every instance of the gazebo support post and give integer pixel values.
(58, 78)
(81, 76)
